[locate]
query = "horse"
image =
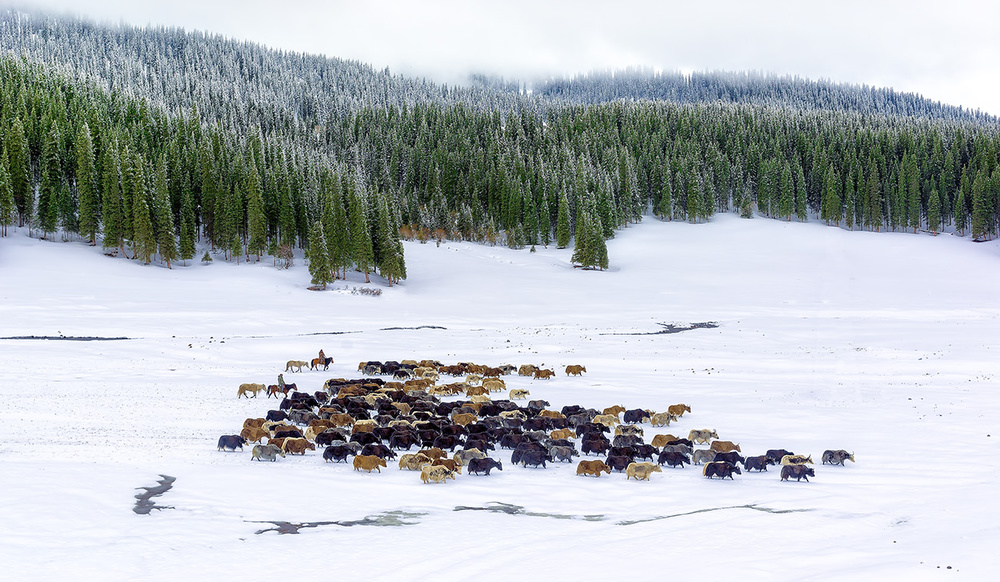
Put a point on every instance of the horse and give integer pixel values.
(274, 389)
(317, 362)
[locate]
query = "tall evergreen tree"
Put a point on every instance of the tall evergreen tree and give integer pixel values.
(7, 206)
(830, 210)
(86, 185)
(801, 195)
(188, 226)
(980, 207)
(18, 165)
(340, 245)
(51, 183)
(144, 241)
(319, 262)
(961, 212)
(363, 254)
(562, 222)
(786, 200)
(873, 197)
(694, 202)
(850, 200)
(665, 209)
(256, 219)
(583, 251)
(166, 245)
(912, 192)
(934, 211)
(113, 215)
(391, 264)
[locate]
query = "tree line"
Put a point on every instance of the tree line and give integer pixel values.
(80, 161)
(249, 164)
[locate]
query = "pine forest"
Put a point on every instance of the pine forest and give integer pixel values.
(156, 142)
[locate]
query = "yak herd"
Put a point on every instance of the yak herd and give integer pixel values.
(398, 406)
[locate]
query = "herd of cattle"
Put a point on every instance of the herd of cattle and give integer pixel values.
(370, 419)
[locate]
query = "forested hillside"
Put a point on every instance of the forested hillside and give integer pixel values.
(143, 138)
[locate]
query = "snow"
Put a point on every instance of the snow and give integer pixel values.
(881, 344)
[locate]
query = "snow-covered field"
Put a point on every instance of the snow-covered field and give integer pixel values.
(882, 344)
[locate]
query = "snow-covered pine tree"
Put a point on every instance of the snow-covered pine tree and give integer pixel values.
(786, 197)
(801, 195)
(665, 208)
(934, 211)
(256, 219)
(166, 244)
(980, 207)
(86, 185)
(562, 222)
(7, 207)
(113, 212)
(144, 241)
(319, 262)
(363, 254)
(51, 182)
(18, 166)
(188, 227)
(583, 252)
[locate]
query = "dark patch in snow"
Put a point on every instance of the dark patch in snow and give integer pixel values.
(325, 333)
(511, 509)
(143, 505)
(70, 338)
(418, 327)
(387, 519)
(750, 506)
(671, 328)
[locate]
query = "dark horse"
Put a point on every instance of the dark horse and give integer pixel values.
(317, 362)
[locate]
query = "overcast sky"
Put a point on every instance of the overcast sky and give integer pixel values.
(945, 51)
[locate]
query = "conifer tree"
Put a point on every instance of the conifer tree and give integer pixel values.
(897, 203)
(363, 254)
(912, 192)
(319, 263)
(831, 197)
(786, 198)
(873, 197)
(18, 166)
(801, 196)
(583, 252)
(113, 214)
(86, 185)
(599, 247)
(934, 211)
(980, 207)
(562, 224)
(166, 245)
(51, 182)
(961, 212)
(188, 227)
(339, 242)
(665, 209)
(391, 264)
(850, 200)
(694, 195)
(7, 207)
(144, 241)
(256, 220)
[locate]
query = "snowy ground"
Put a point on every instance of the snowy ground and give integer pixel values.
(882, 344)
